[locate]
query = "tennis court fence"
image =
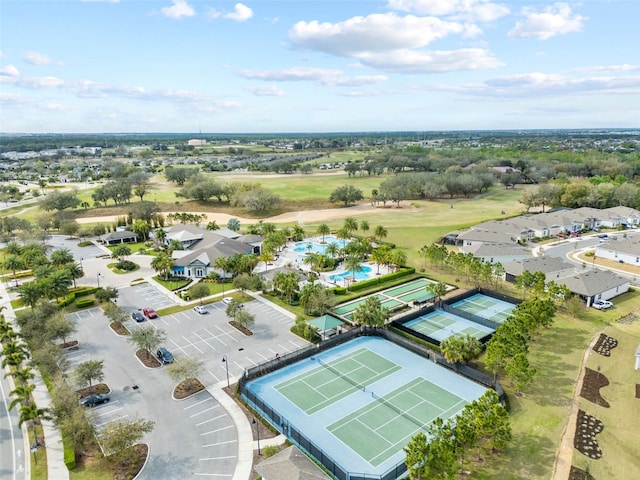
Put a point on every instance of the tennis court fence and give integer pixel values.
(470, 316)
(281, 423)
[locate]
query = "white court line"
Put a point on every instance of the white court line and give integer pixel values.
(216, 444)
(216, 431)
(210, 420)
(198, 403)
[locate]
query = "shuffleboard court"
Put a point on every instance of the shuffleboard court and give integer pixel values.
(440, 325)
(420, 283)
(408, 408)
(314, 390)
(421, 294)
(486, 307)
(351, 306)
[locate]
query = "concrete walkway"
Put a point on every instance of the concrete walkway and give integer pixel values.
(53, 441)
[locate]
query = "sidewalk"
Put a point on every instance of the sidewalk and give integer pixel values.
(56, 467)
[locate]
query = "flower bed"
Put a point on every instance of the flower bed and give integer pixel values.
(587, 427)
(605, 344)
(591, 385)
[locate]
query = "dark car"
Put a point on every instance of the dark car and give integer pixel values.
(164, 355)
(93, 400)
(149, 312)
(137, 316)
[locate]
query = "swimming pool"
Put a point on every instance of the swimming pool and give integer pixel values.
(314, 246)
(364, 274)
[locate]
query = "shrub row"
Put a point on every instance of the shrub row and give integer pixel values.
(80, 292)
(338, 290)
(85, 302)
(384, 278)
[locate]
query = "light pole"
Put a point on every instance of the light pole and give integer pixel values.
(226, 364)
(98, 278)
(257, 424)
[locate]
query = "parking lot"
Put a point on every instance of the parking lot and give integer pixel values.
(199, 425)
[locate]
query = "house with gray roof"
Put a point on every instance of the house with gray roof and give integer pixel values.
(497, 252)
(624, 250)
(201, 249)
(116, 238)
(552, 267)
(595, 285)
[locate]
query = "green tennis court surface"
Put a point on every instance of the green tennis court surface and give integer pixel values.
(314, 390)
(378, 430)
(486, 307)
(440, 325)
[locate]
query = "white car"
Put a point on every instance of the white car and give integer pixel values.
(227, 300)
(602, 304)
(201, 309)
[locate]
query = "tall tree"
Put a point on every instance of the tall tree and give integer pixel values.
(89, 371)
(147, 339)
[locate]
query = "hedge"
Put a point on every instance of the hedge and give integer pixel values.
(83, 291)
(338, 290)
(68, 300)
(85, 302)
(384, 278)
(69, 458)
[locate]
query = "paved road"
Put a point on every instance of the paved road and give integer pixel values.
(12, 442)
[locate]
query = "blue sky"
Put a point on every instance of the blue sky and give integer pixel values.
(317, 66)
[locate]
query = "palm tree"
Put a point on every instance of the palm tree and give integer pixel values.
(13, 262)
(75, 270)
(13, 248)
(352, 264)
(381, 256)
(22, 395)
(33, 415)
(380, 233)
(160, 235)
(297, 233)
(59, 282)
(398, 258)
(61, 257)
(120, 252)
(323, 229)
(438, 289)
(22, 375)
(30, 293)
(364, 226)
(332, 250)
(350, 224)
(312, 259)
(163, 263)
(224, 264)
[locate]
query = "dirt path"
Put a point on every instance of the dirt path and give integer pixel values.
(301, 217)
(562, 465)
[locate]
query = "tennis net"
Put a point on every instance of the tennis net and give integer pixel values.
(398, 410)
(342, 375)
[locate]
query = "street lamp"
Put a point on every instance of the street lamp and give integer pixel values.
(226, 364)
(98, 278)
(257, 424)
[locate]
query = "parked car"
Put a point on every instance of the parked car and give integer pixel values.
(602, 304)
(93, 400)
(201, 309)
(149, 312)
(137, 316)
(164, 355)
(227, 300)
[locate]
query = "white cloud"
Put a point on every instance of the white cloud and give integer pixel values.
(411, 61)
(377, 32)
(471, 10)
(355, 81)
(9, 71)
(265, 91)
(241, 13)
(13, 99)
(180, 8)
(290, 74)
(557, 19)
(609, 68)
(539, 85)
(103, 1)
(35, 58)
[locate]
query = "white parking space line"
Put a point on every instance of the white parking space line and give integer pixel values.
(163, 321)
(210, 420)
(98, 425)
(204, 340)
(215, 377)
(192, 344)
(198, 403)
(265, 358)
(107, 411)
(227, 333)
(219, 443)
(180, 348)
(251, 361)
(217, 430)
(205, 411)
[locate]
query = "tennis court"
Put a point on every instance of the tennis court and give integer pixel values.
(440, 325)
(391, 298)
(380, 428)
(322, 386)
(486, 307)
(360, 403)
